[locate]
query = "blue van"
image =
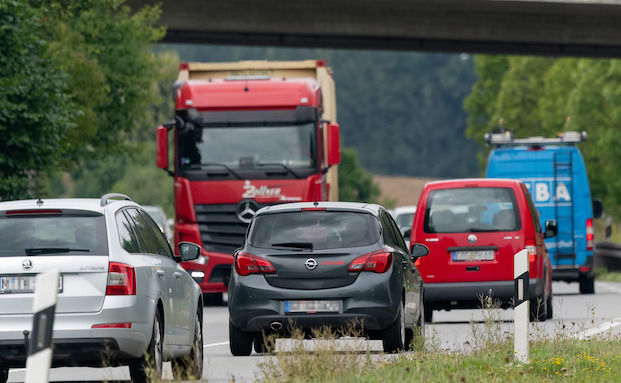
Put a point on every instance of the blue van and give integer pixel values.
(554, 172)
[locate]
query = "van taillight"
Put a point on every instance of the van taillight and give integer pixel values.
(121, 279)
(377, 262)
(246, 263)
(532, 250)
(590, 237)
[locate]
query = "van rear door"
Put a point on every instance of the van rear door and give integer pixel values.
(472, 233)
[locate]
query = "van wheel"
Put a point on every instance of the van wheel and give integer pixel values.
(587, 284)
(4, 374)
(149, 366)
(240, 342)
(191, 366)
(428, 313)
(549, 313)
(393, 338)
(538, 309)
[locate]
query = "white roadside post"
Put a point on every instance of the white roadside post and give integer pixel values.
(40, 346)
(522, 306)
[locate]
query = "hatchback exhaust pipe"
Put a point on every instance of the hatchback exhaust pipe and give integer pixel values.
(276, 326)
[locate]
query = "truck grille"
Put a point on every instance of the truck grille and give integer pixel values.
(221, 230)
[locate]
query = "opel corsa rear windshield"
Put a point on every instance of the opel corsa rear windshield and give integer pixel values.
(314, 230)
(471, 210)
(52, 234)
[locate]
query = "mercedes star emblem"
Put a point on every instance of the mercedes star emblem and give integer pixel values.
(27, 264)
(246, 209)
(311, 264)
(472, 238)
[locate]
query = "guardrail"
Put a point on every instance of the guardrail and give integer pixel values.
(608, 255)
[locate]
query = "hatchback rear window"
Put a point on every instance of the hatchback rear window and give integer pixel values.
(314, 230)
(52, 234)
(468, 210)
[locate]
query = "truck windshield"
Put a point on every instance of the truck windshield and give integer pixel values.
(471, 210)
(244, 147)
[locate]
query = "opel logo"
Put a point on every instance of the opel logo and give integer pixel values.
(472, 238)
(311, 264)
(246, 209)
(27, 264)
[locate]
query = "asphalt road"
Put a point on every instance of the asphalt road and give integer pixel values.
(574, 314)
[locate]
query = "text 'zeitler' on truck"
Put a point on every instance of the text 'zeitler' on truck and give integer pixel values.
(246, 134)
(554, 172)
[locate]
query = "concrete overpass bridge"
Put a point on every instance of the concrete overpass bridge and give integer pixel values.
(590, 28)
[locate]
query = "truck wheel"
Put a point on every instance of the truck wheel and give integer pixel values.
(149, 366)
(4, 374)
(191, 366)
(587, 284)
(428, 313)
(393, 338)
(240, 342)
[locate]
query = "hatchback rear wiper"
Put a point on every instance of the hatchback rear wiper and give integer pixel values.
(225, 167)
(300, 245)
(296, 175)
(51, 250)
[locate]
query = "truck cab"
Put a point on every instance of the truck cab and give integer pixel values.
(244, 139)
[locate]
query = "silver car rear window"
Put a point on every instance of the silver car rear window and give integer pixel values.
(470, 210)
(52, 234)
(314, 230)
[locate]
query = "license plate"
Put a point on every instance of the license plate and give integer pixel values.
(22, 284)
(473, 255)
(312, 306)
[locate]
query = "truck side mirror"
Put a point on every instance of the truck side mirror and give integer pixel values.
(418, 250)
(551, 229)
(161, 147)
(334, 144)
(598, 208)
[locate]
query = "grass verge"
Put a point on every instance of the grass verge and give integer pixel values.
(602, 274)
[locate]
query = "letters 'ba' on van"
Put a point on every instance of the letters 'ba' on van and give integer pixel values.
(553, 170)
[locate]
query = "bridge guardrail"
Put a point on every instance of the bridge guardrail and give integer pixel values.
(608, 255)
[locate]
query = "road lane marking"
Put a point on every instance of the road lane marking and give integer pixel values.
(610, 287)
(590, 333)
(215, 344)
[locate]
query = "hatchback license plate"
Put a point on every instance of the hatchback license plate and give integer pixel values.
(312, 306)
(473, 255)
(22, 284)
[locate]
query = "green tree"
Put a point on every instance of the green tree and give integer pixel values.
(35, 107)
(355, 183)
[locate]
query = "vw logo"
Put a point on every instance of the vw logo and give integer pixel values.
(27, 264)
(246, 209)
(310, 264)
(472, 238)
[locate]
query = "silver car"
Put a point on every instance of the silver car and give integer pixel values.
(123, 297)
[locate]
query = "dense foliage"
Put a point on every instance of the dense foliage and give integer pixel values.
(544, 96)
(76, 82)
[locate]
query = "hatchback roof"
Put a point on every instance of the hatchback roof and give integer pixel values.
(351, 206)
(473, 182)
(89, 204)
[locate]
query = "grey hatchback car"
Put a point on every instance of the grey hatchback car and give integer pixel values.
(123, 298)
(324, 264)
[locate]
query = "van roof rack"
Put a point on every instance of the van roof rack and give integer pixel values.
(107, 197)
(505, 138)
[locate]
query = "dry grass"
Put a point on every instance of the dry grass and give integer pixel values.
(400, 190)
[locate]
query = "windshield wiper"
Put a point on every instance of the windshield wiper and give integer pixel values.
(299, 245)
(296, 175)
(51, 250)
(223, 166)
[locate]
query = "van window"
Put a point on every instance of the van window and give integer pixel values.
(315, 230)
(469, 210)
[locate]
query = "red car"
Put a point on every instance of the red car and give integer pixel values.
(473, 228)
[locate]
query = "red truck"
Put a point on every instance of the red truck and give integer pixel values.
(246, 135)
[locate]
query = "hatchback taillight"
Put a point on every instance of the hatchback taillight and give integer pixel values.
(590, 237)
(532, 250)
(246, 263)
(377, 262)
(121, 279)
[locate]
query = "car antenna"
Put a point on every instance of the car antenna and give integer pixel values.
(39, 200)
